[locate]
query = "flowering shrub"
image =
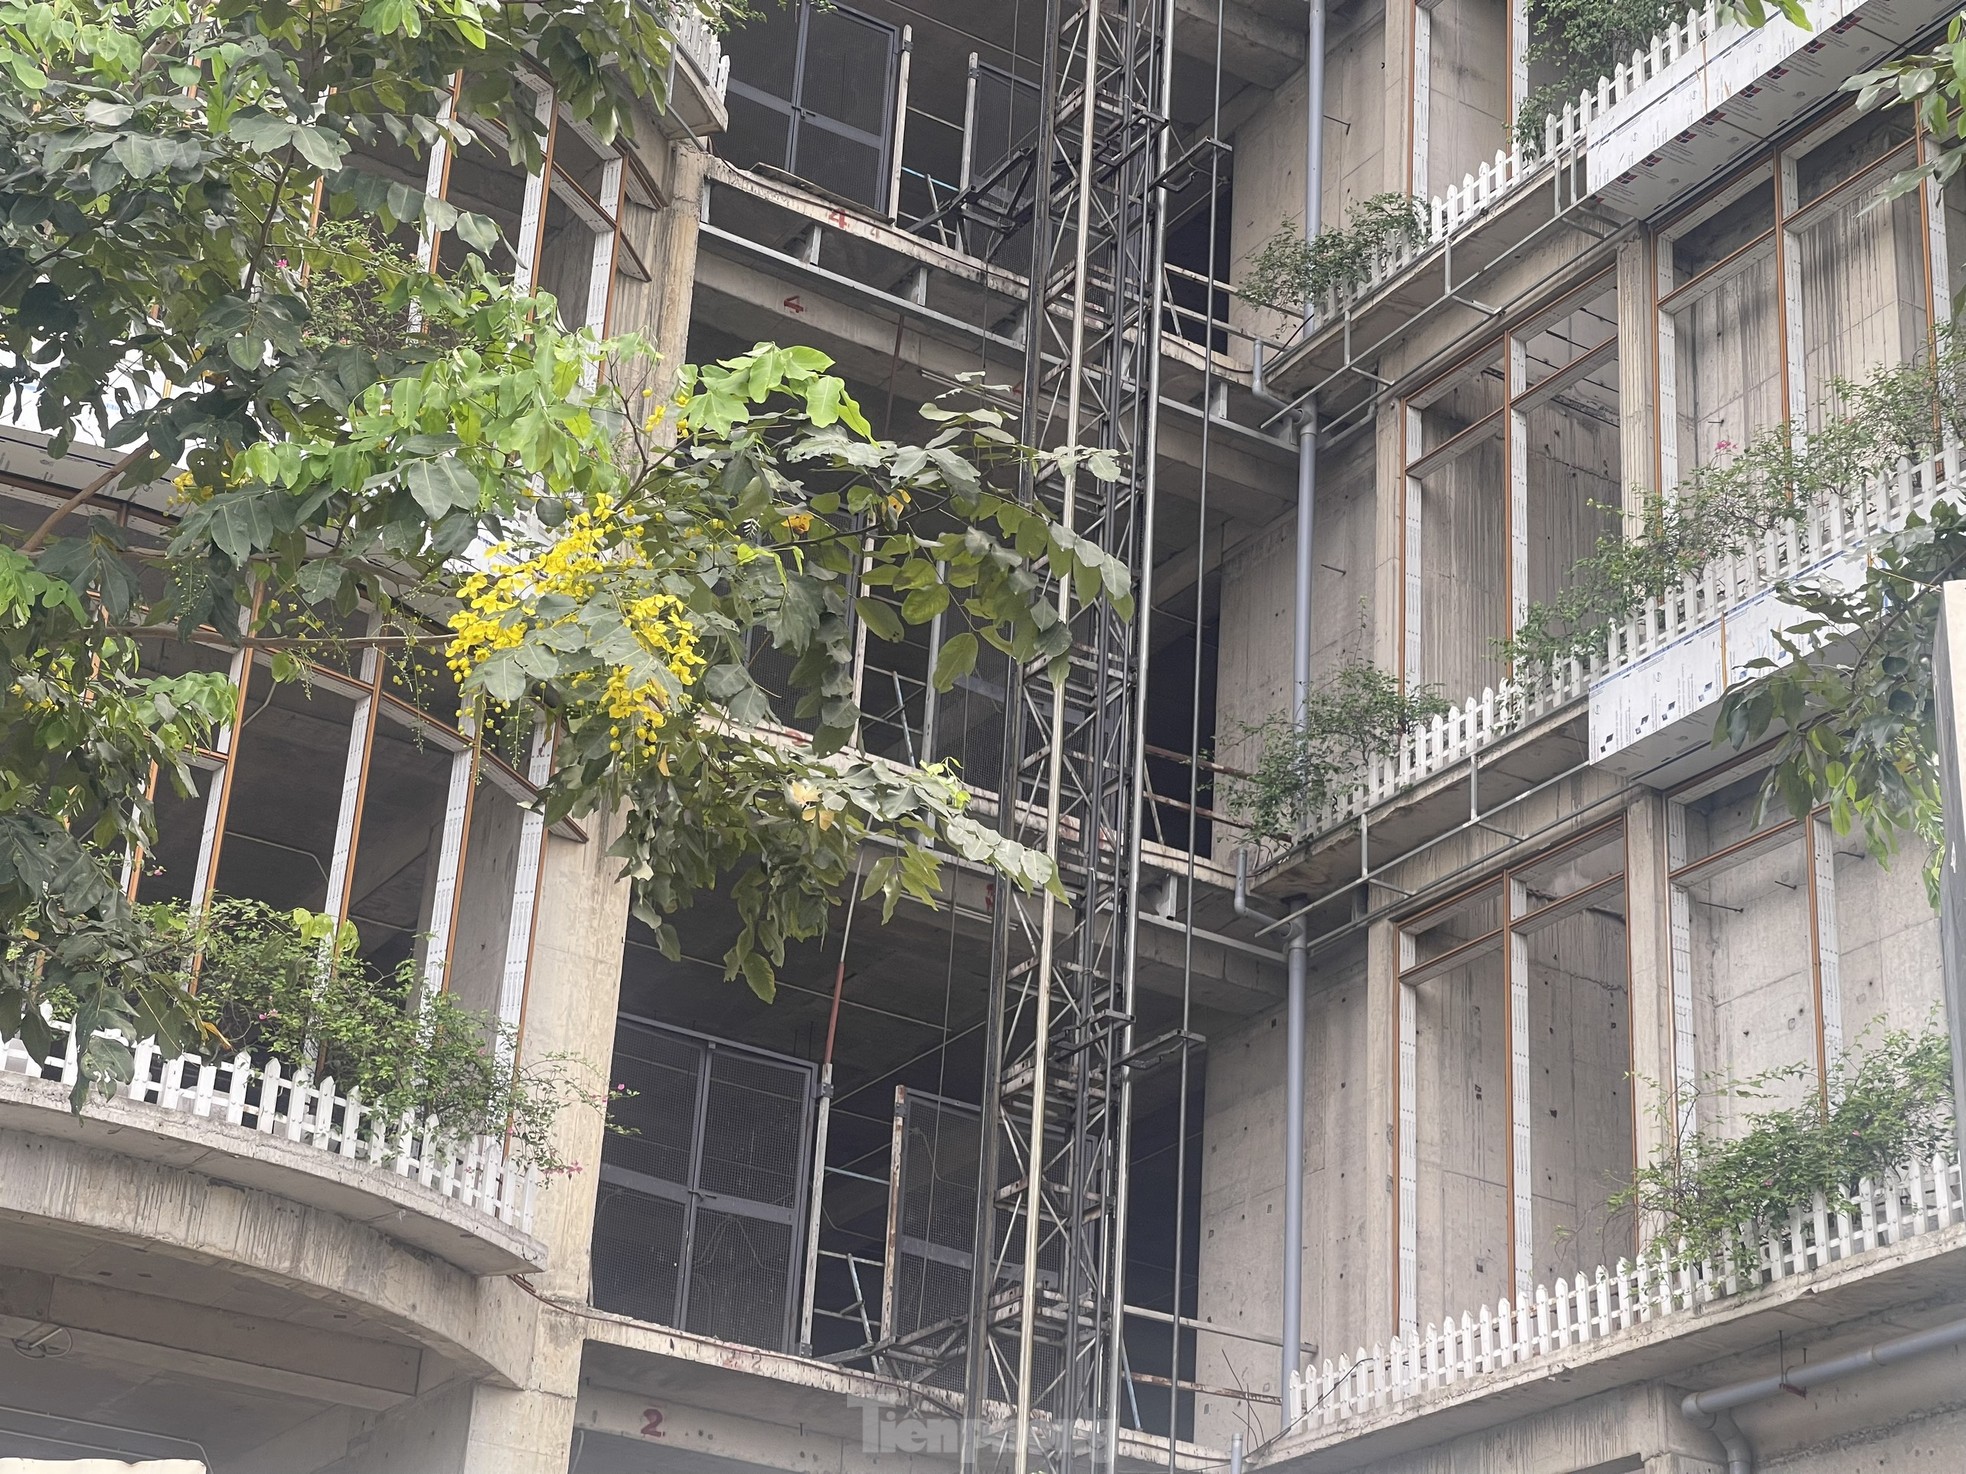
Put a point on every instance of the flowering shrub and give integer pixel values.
(1305, 762)
(1748, 491)
(1293, 274)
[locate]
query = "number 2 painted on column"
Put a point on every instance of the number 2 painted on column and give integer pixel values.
(652, 1423)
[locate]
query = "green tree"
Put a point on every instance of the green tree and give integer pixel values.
(585, 556)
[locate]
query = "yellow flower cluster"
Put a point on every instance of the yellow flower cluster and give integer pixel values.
(500, 608)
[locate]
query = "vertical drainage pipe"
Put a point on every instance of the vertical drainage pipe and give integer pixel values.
(1293, 1174)
(1293, 1132)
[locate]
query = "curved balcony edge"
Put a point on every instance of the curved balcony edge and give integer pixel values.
(401, 1208)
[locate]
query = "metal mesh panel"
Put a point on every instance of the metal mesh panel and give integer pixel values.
(753, 1125)
(702, 1197)
(1006, 119)
(969, 723)
(659, 1120)
(638, 1250)
(740, 1284)
(938, 1225)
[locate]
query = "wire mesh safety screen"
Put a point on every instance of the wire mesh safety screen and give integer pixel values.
(702, 1195)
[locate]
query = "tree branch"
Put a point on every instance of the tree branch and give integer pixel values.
(48, 525)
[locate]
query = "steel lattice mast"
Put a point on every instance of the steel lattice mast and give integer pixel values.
(1045, 1328)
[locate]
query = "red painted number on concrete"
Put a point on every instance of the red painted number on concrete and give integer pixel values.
(652, 1423)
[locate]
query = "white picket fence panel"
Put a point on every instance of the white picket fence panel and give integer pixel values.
(280, 1100)
(1562, 146)
(1833, 525)
(1922, 1197)
(703, 45)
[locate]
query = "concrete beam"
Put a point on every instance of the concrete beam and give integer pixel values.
(1254, 47)
(174, 1336)
(313, 1252)
(254, 1162)
(862, 227)
(1230, 975)
(1251, 476)
(671, 1429)
(749, 302)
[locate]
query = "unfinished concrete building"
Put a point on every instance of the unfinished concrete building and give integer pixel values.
(1077, 1175)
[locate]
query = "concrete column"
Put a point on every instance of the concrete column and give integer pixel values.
(571, 997)
(676, 242)
(1650, 952)
(1388, 532)
(1380, 1269)
(456, 1427)
(1397, 119)
(529, 1430)
(1638, 379)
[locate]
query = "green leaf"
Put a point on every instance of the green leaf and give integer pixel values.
(823, 400)
(922, 605)
(320, 148)
(262, 132)
(758, 974)
(140, 155)
(441, 485)
(956, 659)
(880, 619)
(479, 232)
(240, 523)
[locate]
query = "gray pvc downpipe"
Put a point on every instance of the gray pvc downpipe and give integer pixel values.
(1307, 428)
(1299, 943)
(1293, 1144)
(1300, 940)
(1714, 1409)
(1293, 1131)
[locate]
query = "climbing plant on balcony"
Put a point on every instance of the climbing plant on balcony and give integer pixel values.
(1581, 41)
(1585, 40)
(293, 986)
(1851, 695)
(1732, 503)
(1304, 765)
(166, 289)
(1886, 1105)
(1295, 275)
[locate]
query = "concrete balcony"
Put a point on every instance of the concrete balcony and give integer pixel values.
(1652, 692)
(1653, 701)
(465, 1202)
(1900, 1241)
(699, 72)
(1711, 88)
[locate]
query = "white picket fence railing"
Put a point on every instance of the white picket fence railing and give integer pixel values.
(704, 47)
(1922, 1198)
(1563, 145)
(278, 1101)
(1456, 735)
(1833, 525)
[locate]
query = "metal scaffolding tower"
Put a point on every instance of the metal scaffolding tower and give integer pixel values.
(1044, 1338)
